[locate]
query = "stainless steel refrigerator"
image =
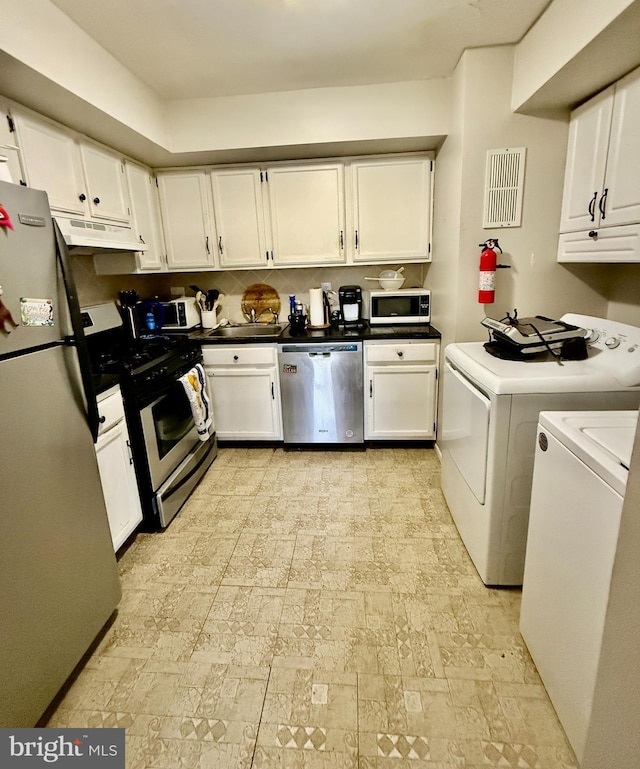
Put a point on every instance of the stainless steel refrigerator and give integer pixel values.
(58, 573)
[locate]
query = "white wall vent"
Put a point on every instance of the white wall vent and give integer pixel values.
(504, 182)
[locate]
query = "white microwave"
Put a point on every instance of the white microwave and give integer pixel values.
(180, 314)
(406, 306)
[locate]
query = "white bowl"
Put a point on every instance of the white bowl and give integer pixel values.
(389, 279)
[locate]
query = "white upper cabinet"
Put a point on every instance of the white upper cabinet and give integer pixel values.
(287, 214)
(145, 210)
(391, 209)
(106, 183)
(187, 219)
(622, 178)
(52, 163)
(239, 214)
(81, 178)
(603, 160)
(586, 163)
(307, 214)
(600, 219)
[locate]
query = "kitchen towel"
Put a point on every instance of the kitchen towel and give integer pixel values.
(195, 387)
(316, 307)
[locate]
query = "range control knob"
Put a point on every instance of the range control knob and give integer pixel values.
(612, 342)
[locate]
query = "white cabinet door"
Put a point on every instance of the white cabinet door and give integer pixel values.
(145, 211)
(115, 463)
(603, 160)
(621, 193)
(52, 163)
(106, 184)
(400, 402)
(246, 403)
(186, 219)
(239, 213)
(586, 163)
(118, 484)
(307, 214)
(391, 202)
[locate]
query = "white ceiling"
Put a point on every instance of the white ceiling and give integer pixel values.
(205, 48)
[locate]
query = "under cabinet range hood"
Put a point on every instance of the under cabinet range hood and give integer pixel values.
(87, 236)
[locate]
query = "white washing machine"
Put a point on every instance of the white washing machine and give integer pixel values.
(489, 419)
(579, 479)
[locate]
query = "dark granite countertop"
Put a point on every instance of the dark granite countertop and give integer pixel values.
(331, 334)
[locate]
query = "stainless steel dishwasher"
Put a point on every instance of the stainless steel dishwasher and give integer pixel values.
(322, 396)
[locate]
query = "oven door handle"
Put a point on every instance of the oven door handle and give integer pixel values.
(176, 486)
(79, 339)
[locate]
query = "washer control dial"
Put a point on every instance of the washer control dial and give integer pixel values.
(593, 336)
(612, 342)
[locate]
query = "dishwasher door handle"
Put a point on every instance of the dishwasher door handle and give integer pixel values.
(319, 354)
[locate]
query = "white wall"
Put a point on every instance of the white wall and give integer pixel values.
(320, 115)
(623, 293)
(575, 49)
(41, 37)
(443, 274)
(482, 119)
(46, 61)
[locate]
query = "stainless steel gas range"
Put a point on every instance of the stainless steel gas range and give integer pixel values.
(169, 456)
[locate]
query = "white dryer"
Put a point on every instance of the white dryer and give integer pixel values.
(579, 480)
(489, 419)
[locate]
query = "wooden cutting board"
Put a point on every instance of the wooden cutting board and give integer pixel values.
(262, 298)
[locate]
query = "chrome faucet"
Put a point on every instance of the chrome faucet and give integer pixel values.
(274, 313)
(252, 315)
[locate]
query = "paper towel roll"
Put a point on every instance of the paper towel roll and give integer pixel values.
(316, 307)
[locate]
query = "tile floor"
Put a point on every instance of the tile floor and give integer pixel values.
(315, 610)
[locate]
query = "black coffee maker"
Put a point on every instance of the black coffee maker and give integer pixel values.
(350, 298)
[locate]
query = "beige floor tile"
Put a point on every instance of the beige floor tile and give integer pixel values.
(315, 610)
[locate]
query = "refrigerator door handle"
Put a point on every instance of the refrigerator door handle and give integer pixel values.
(79, 339)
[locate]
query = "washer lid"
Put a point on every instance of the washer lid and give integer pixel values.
(618, 441)
(510, 377)
(603, 440)
(613, 363)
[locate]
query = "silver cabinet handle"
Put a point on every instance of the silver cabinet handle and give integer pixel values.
(371, 388)
(220, 244)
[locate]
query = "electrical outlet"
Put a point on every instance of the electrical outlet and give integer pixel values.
(177, 291)
(325, 286)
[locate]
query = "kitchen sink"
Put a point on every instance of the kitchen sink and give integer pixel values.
(247, 330)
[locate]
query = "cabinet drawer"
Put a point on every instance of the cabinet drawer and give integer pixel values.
(111, 407)
(611, 244)
(242, 355)
(405, 351)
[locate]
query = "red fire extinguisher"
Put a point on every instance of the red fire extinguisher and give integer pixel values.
(488, 266)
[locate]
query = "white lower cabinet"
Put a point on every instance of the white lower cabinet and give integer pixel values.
(245, 391)
(115, 463)
(400, 389)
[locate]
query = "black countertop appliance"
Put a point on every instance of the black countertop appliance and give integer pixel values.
(350, 298)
